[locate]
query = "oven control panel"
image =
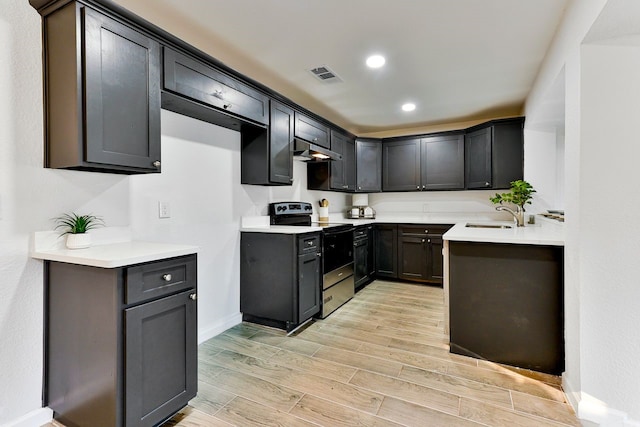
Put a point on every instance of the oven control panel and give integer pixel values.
(290, 208)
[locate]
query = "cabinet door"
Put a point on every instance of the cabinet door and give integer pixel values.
(309, 284)
(434, 259)
(360, 261)
(478, 159)
(412, 253)
(401, 165)
(192, 79)
(311, 130)
(368, 166)
(443, 162)
(337, 167)
(122, 94)
(507, 152)
(386, 250)
(371, 249)
(160, 358)
(281, 144)
(349, 164)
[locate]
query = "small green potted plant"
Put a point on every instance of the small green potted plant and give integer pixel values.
(75, 227)
(521, 194)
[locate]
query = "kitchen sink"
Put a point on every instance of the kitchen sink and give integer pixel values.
(489, 226)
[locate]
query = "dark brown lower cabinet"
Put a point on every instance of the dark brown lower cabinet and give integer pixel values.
(121, 343)
(280, 278)
(386, 250)
(506, 304)
(410, 251)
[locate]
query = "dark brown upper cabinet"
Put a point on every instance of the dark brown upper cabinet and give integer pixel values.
(368, 165)
(267, 157)
(401, 165)
(336, 175)
(343, 172)
(210, 87)
(428, 163)
(312, 130)
(494, 154)
(102, 93)
(442, 166)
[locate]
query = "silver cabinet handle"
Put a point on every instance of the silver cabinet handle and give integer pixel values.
(193, 297)
(310, 243)
(227, 106)
(359, 188)
(486, 184)
(426, 231)
(156, 163)
(422, 240)
(429, 240)
(315, 139)
(424, 186)
(418, 187)
(218, 94)
(166, 277)
(318, 253)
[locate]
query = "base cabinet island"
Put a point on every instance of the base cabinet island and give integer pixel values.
(504, 289)
(120, 334)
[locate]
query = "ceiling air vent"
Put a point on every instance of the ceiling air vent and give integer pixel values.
(324, 74)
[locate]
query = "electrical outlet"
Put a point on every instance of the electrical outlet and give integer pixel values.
(164, 210)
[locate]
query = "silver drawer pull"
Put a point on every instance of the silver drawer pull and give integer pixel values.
(340, 274)
(193, 296)
(310, 243)
(166, 277)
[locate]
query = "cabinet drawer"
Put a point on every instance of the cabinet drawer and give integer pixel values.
(360, 233)
(192, 79)
(156, 279)
(423, 230)
(310, 130)
(308, 244)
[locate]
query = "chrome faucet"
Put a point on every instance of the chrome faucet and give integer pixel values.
(518, 214)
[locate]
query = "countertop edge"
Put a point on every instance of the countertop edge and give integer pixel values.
(91, 259)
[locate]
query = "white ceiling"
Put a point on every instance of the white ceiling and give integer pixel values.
(457, 60)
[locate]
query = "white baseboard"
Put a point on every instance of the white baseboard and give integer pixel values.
(600, 414)
(214, 329)
(572, 394)
(37, 417)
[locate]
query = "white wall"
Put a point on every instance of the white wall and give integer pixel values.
(609, 153)
(29, 197)
(601, 293)
(437, 205)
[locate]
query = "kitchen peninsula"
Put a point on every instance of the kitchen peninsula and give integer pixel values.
(504, 293)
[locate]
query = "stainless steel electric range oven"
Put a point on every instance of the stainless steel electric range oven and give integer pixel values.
(337, 252)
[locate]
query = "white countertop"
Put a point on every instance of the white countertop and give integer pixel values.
(107, 252)
(541, 233)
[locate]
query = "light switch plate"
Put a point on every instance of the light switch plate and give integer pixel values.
(164, 210)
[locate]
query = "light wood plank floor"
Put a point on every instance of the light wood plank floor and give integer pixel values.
(382, 359)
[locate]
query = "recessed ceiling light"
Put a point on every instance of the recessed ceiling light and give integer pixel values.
(409, 106)
(375, 61)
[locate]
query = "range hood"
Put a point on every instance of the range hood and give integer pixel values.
(306, 151)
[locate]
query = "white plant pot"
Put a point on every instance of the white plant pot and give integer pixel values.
(78, 241)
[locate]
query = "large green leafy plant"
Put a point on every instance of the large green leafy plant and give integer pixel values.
(77, 224)
(521, 194)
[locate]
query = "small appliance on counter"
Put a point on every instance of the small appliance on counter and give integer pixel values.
(360, 208)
